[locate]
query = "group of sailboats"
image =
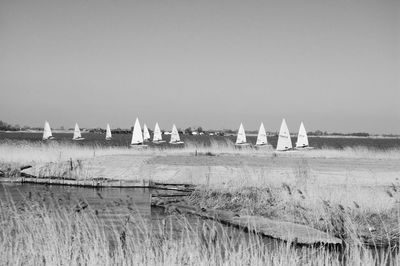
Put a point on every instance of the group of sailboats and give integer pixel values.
(261, 137)
(48, 135)
(284, 140)
(139, 137)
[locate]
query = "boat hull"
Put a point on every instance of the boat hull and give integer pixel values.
(263, 145)
(287, 150)
(176, 142)
(159, 142)
(242, 144)
(77, 139)
(138, 145)
(304, 148)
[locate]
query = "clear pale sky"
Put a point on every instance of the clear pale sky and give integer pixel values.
(332, 64)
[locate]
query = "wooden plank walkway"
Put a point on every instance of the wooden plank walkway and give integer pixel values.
(81, 183)
(286, 231)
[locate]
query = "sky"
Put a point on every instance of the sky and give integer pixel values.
(335, 65)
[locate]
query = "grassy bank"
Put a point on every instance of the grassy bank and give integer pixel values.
(32, 234)
(366, 221)
(28, 152)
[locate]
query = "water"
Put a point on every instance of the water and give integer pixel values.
(111, 205)
(119, 207)
(93, 139)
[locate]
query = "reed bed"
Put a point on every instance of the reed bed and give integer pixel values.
(372, 221)
(25, 152)
(33, 233)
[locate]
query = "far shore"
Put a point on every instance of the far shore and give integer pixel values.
(85, 131)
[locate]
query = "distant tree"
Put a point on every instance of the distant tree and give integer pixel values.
(199, 129)
(229, 131)
(318, 133)
(360, 134)
(188, 131)
(7, 127)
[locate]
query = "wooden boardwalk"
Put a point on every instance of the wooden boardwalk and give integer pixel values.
(289, 232)
(80, 183)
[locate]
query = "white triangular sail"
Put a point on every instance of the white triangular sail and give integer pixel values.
(146, 134)
(137, 137)
(108, 132)
(241, 136)
(47, 131)
(284, 141)
(302, 139)
(157, 137)
(77, 132)
(262, 136)
(175, 135)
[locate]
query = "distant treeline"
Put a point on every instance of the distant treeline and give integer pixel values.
(189, 131)
(113, 131)
(320, 133)
(8, 127)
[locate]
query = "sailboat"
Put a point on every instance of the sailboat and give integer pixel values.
(146, 134)
(108, 132)
(137, 137)
(47, 131)
(157, 137)
(262, 137)
(302, 139)
(284, 141)
(77, 133)
(241, 137)
(175, 139)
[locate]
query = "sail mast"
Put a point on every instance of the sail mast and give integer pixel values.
(302, 139)
(47, 131)
(284, 141)
(108, 132)
(241, 136)
(262, 136)
(146, 134)
(77, 132)
(137, 137)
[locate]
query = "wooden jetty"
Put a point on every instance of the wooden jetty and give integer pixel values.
(289, 232)
(78, 182)
(297, 234)
(99, 183)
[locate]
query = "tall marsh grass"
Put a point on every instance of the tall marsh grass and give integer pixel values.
(25, 152)
(33, 234)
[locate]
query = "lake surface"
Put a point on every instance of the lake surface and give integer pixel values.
(93, 139)
(113, 206)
